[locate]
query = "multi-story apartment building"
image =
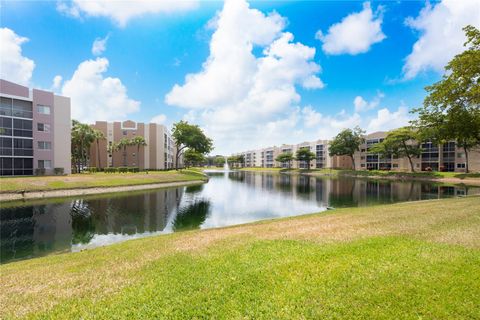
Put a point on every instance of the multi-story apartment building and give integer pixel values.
(434, 157)
(35, 131)
(446, 157)
(266, 157)
(159, 152)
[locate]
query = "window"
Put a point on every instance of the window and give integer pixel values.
(22, 128)
(5, 126)
(395, 165)
(461, 165)
(44, 164)
(22, 109)
(23, 147)
(43, 109)
(43, 127)
(362, 165)
(124, 132)
(460, 155)
(44, 145)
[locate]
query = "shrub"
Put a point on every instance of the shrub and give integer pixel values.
(122, 169)
(40, 171)
(110, 170)
(58, 171)
(134, 169)
(92, 169)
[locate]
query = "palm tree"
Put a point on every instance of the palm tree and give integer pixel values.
(82, 138)
(138, 141)
(123, 144)
(98, 135)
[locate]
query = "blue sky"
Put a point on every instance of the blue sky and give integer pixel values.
(368, 57)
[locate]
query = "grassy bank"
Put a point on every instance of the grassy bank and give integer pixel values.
(374, 173)
(92, 180)
(407, 260)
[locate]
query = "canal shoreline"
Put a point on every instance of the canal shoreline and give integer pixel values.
(465, 181)
(64, 193)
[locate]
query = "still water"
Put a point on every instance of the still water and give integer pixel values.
(34, 229)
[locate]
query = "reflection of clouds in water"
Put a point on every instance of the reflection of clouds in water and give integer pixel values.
(236, 203)
(100, 240)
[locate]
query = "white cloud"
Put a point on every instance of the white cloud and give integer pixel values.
(243, 100)
(388, 120)
(121, 11)
(13, 65)
(441, 34)
(355, 34)
(160, 119)
(57, 82)
(99, 45)
(94, 97)
(361, 105)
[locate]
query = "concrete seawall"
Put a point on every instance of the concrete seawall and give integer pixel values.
(28, 195)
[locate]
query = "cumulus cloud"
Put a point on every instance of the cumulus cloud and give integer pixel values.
(160, 119)
(387, 120)
(361, 105)
(322, 126)
(122, 11)
(94, 97)
(13, 65)
(57, 82)
(99, 45)
(441, 35)
(355, 34)
(239, 97)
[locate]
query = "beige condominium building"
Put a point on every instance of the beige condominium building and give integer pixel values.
(35, 131)
(434, 157)
(444, 157)
(159, 152)
(266, 157)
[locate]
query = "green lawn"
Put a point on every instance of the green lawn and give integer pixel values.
(403, 261)
(90, 180)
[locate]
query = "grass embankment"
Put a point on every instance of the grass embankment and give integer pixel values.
(95, 180)
(374, 173)
(407, 260)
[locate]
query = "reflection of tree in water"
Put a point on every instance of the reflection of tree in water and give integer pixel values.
(192, 216)
(237, 176)
(82, 222)
(194, 189)
(303, 186)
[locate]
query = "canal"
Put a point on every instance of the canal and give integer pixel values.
(37, 228)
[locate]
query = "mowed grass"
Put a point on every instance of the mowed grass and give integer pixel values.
(410, 260)
(91, 180)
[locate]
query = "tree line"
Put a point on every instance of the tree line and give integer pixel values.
(189, 140)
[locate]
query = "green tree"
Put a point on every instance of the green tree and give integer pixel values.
(232, 161)
(401, 142)
(286, 157)
(98, 135)
(190, 136)
(241, 160)
(451, 111)
(138, 141)
(82, 138)
(304, 154)
(122, 145)
(219, 161)
(192, 158)
(346, 143)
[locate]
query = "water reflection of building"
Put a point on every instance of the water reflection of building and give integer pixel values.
(36, 230)
(346, 192)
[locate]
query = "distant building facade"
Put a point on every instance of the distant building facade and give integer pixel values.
(443, 157)
(434, 157)
(35, 131)
(159, 152)
(265, 157)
